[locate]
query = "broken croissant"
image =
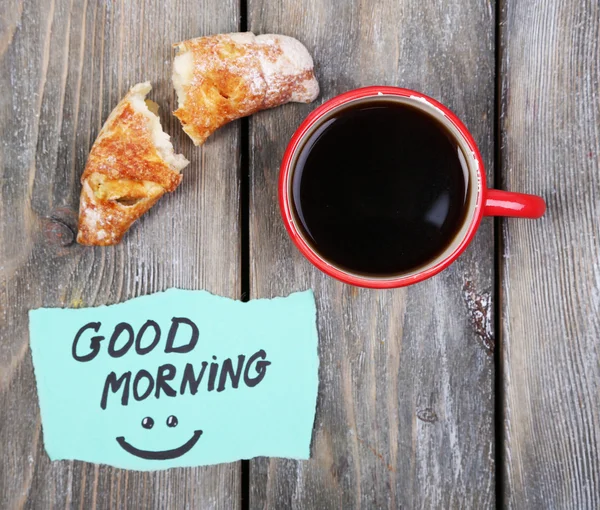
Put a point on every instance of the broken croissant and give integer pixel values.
(223, 77)
(131, 165)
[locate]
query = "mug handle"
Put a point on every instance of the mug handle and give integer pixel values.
(516, 205)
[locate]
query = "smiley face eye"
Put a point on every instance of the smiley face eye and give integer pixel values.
(172, 421)
(147, 422)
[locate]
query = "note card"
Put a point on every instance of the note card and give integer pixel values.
(177, 378)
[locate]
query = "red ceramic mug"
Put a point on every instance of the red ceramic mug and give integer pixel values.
(481, 202)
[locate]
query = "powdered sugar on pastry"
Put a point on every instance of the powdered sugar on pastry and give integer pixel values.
(223, 77)
(287, 67)
(131, 165)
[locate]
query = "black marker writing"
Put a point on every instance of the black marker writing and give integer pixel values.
(165, 373)
(249, 370)
(114, 384)
(138, 339)
(227, 371)
(94, 342)
(261, 368)
(189, 378)
(136, 385)
(182, 338)
(120, 328)
(175, 322)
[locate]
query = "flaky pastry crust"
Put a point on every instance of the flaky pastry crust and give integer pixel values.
(131, 165)
(223, 77)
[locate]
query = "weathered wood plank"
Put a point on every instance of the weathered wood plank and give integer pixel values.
(405, 412)
(63, 67)
(551, 268)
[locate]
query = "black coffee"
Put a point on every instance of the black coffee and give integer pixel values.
(379, 188)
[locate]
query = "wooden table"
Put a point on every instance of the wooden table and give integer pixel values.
(475, 389)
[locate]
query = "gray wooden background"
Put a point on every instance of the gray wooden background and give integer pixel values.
(477, 388)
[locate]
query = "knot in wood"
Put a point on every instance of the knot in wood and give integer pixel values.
(58, 233)
(427, 415)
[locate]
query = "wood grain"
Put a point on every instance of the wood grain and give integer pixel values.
(406, 407)
(551, 267)
(63, 67)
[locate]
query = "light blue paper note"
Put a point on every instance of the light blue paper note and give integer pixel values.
(178, 378)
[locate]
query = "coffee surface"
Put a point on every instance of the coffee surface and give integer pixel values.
(380, 189)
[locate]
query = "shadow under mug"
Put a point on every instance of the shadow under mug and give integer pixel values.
(482, 201)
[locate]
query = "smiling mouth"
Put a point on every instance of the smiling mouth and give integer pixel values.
(160, 455)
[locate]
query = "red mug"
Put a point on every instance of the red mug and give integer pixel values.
(483, 202)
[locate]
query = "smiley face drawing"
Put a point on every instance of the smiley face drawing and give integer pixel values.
(173, 453)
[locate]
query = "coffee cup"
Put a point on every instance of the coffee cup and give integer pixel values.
(384, 187)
